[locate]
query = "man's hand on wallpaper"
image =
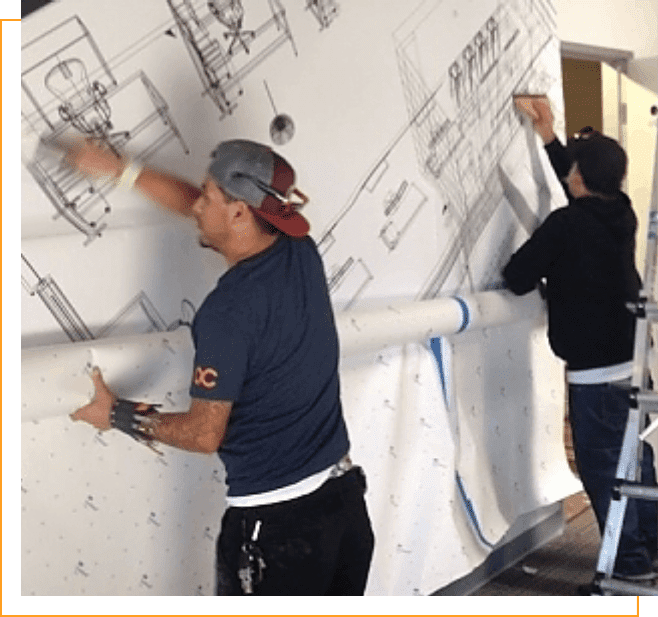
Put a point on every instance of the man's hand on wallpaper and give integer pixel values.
(543, 120)
(97, 412)
(91, 158)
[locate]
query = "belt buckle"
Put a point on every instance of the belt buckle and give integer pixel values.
(341, 467)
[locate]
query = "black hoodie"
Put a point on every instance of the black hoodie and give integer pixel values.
(585, 252)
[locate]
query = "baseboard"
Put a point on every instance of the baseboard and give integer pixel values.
(514, 546)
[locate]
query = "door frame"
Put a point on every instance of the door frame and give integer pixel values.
(618, 59)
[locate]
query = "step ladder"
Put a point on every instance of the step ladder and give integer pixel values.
(643, 406)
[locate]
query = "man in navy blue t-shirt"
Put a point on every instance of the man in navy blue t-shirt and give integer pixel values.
(265, 388)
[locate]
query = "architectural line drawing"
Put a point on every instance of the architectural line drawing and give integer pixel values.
(325, 11)
(68, 39)
(461, 125)
(351, 278)
(461, 160)
(73, 195)
(282, 127)
(221, 68)
(491, 279)
(68, 88)
(546, 12)
(401, 207)
(538, 174)
(527, 218)
(478, 58)
(60, 307)
(69, 82)
(55, 301)
(230, 13)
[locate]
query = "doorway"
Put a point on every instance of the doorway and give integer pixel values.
(599, 93)
(582, 87)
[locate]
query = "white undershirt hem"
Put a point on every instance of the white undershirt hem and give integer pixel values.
(603, 374)
(285, 493)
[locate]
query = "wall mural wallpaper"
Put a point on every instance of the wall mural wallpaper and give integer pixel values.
(423, 179)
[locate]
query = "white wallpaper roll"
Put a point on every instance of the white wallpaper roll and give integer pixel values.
(157, 367)
(363, 330)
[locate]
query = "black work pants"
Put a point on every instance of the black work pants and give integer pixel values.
(318, 544)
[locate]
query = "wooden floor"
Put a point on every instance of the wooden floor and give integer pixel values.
(559, 567)
(563, 565)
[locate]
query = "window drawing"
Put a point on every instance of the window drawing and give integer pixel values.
(139, 314)
(325, 11)
(69, 89)
(220, 67)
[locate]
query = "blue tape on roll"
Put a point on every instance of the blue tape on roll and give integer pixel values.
(466, 314)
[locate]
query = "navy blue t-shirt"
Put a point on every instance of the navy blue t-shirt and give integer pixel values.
(265, 339)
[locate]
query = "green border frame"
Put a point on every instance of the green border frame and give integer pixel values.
(14, 604)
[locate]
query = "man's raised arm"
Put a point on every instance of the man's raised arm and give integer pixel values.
(163, 188)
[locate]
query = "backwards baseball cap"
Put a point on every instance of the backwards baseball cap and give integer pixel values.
(601, 160)
(261, 178)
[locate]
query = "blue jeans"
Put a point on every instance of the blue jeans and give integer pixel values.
(598, 415)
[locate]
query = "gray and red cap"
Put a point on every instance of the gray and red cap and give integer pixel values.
(265, 181)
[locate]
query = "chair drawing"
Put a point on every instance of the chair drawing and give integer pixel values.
(230, 13)
(83, 103)
(68, 87)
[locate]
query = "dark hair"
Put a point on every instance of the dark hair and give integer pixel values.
(263, 225)
(601, 161)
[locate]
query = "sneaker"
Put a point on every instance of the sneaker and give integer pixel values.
(589, 589)
(645, 577)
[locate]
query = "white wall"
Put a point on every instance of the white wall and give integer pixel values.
(631, 25)
(423, 180)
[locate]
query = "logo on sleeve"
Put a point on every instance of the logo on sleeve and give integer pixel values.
(205, 377)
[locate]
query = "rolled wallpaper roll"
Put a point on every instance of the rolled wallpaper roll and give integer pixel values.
(363, 330)
(156, 367)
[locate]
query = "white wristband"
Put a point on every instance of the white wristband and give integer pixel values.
(129, 175)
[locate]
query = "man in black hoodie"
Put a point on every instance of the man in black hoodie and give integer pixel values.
(584, 253)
